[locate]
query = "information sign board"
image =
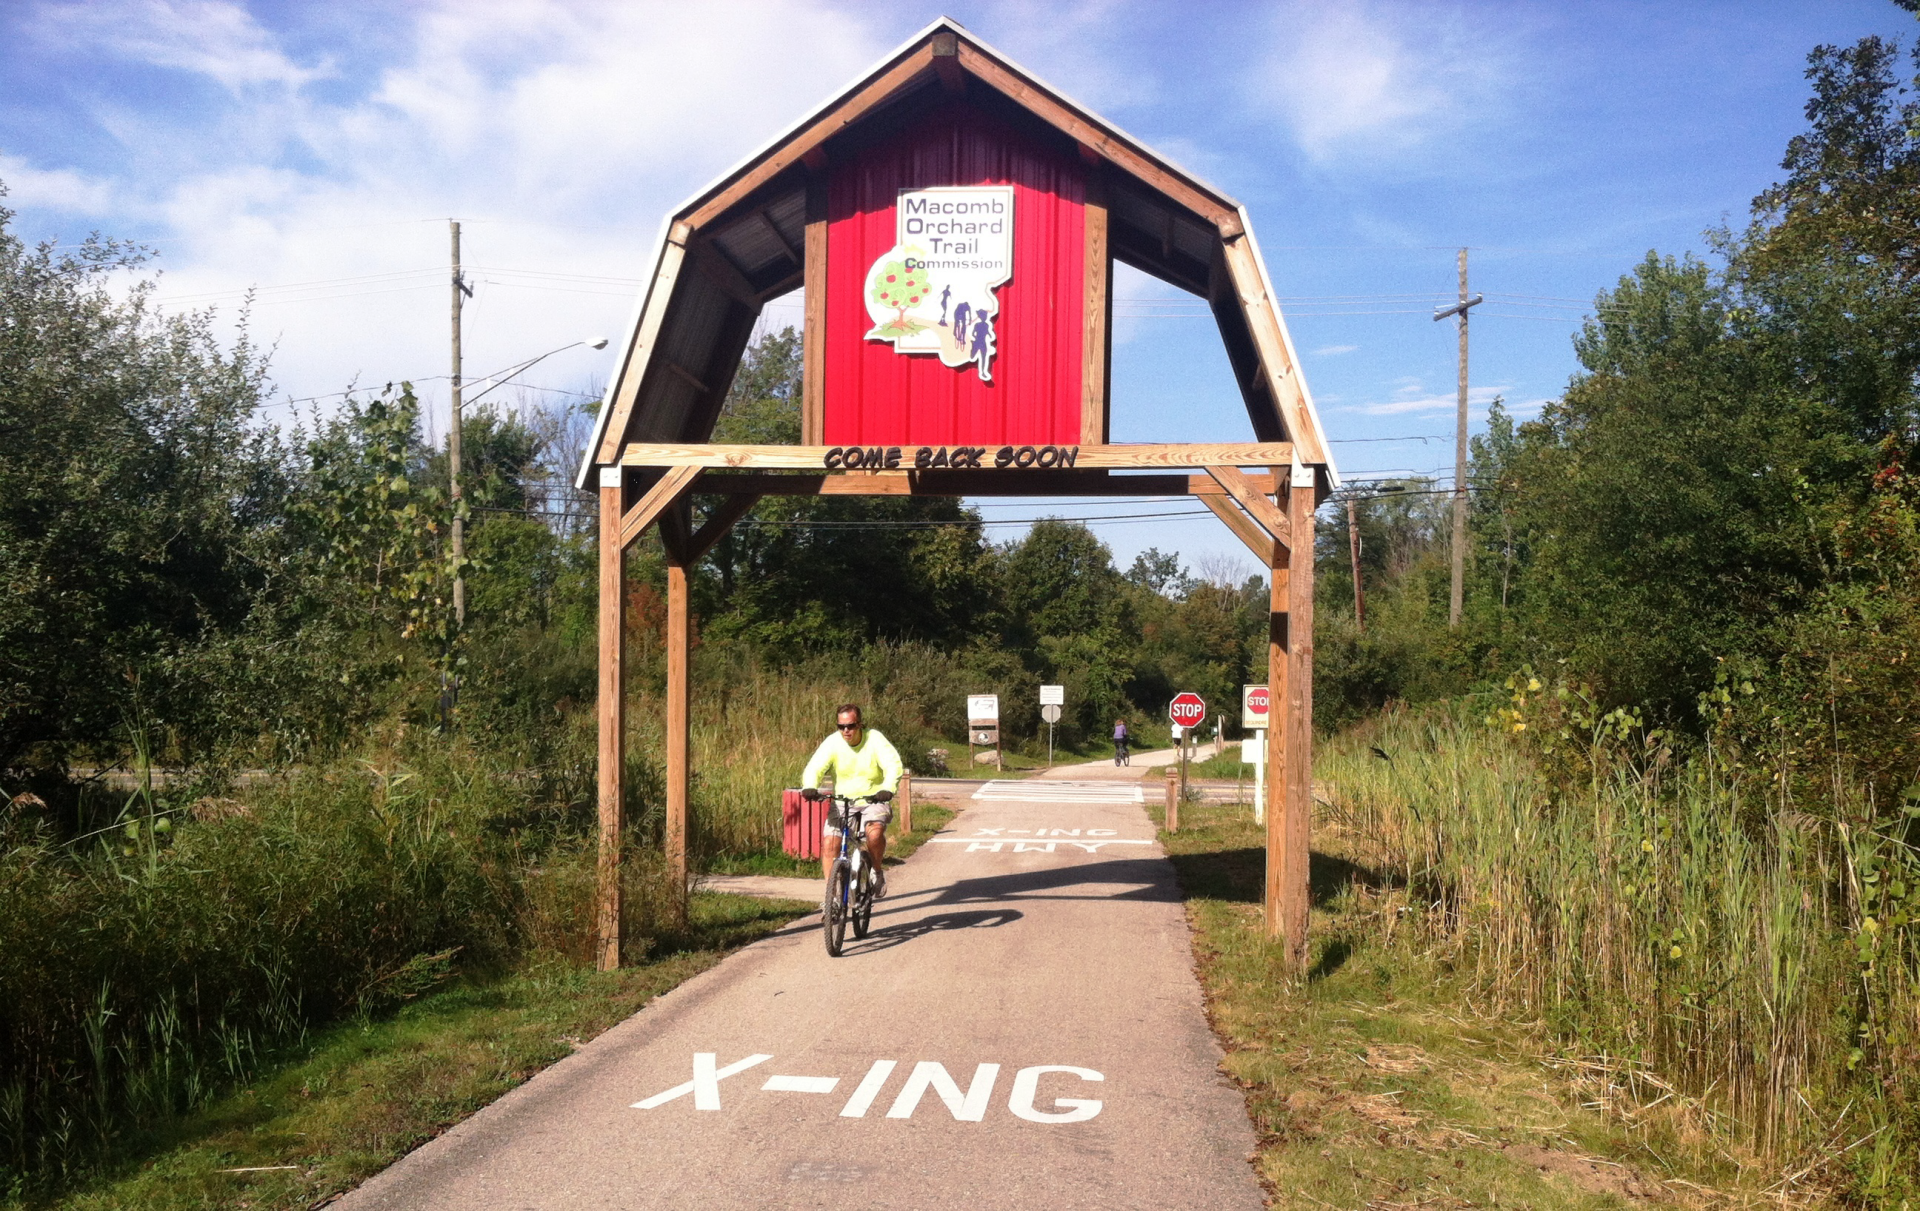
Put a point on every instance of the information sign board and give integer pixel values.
(1053, 695)
(983, 708)
(1253, 751)
(1253, 707)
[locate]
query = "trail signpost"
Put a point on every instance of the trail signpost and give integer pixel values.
(953, 224)
(1254, 713)
(1052, 698)
(1186, 710)
(983, 726)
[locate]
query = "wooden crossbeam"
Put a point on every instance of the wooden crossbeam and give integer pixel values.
(1258, 540)
(1132, 455)
(718, 523)
(1259, 507)
(650, 506)
(968, 483)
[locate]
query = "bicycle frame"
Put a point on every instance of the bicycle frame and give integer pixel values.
(849, 892)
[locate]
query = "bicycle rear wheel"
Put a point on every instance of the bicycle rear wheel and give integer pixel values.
(833, 910)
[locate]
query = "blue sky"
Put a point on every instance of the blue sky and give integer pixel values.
(314, 152)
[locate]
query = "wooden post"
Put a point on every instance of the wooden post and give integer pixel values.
(679, 702)
(1295, 881)
(906, 804)
(1279, 588)
(613, 718)
(1353, 549)
(1173, 803)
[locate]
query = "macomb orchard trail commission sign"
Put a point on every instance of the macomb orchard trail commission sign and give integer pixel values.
(933, 291)
(954, 223)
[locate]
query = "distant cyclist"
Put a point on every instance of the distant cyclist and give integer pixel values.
(1121, 738)
(865, 765)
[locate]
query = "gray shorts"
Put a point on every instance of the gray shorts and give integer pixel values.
(868, 813)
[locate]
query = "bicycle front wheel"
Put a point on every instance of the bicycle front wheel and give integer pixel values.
(862, 903)
(833, 910)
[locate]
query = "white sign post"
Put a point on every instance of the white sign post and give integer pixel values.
(1052, 698)
(1254, 714)
(983, 726)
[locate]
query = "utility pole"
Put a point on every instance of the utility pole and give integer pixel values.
(1353, 548)
(460, 292)
(1457, 590)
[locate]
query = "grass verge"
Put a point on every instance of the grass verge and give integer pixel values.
(1375, 1084)
(364, 1094)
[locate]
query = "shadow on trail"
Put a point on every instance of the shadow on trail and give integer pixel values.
(1239, 876)
(889, 936)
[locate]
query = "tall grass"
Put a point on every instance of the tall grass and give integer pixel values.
(1684, 924)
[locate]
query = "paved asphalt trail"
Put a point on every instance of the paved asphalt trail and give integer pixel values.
(1043, 936)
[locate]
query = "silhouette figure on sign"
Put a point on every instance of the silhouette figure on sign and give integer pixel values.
(981, 351)
(945, 293)
(961, 315)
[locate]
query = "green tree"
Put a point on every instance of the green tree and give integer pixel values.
(133, 491)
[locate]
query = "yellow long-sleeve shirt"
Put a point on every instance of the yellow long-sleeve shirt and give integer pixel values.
(857, 772)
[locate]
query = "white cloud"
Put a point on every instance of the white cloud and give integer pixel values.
(52, 189)
(1372, 79)
(206, 37)
(558, 132)
(1335, 350)
(1412, 398)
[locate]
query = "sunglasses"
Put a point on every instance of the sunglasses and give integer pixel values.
(849, 727)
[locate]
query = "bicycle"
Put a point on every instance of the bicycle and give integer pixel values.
(849, 895)
(1120, 753)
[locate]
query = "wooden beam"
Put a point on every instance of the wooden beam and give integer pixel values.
(875, 94)
(967, 483)
(813, 341)
(1263, 322)
(1297, 771)
(665, 492)
(1049, 109)
(610, 785)
(1258, 541)
(679, 736)
(1095, 352)
(1262, 510)
(718, 523)
(946, 64)
(1142, 455)
(633, 371)
(676, 529)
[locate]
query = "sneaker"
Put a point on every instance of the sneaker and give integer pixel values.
(879, 883)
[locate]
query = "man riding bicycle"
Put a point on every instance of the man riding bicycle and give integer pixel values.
(865, 766)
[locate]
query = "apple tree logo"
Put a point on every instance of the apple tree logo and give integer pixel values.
(933, 291)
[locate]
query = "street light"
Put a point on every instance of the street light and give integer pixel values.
(453, 463)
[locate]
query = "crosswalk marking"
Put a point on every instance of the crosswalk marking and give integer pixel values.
(1060, 792)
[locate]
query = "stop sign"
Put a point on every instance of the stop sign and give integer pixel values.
(1187, 709)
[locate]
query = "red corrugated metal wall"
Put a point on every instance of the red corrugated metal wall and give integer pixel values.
(875, 395)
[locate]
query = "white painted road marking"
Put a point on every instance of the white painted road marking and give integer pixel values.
(705, 1085)
(801, 1084)
(992, 846)
(1073, 1110)
(870, 1086)
(1060, 792)
(966, 1106)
